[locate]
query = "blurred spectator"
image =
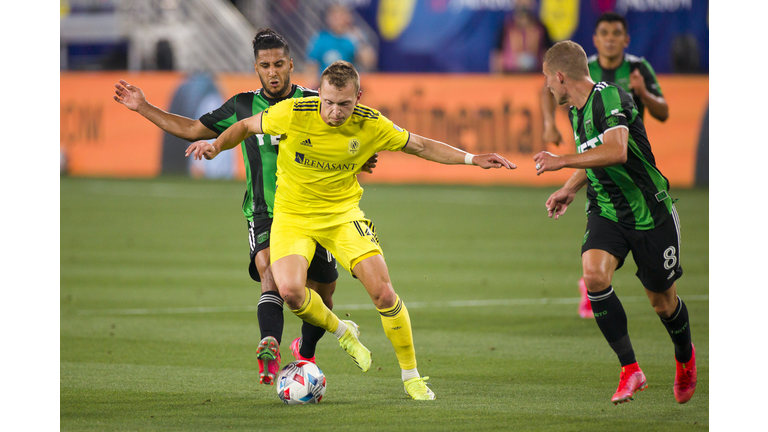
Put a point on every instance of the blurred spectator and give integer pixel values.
(342, 40)
(522, 42)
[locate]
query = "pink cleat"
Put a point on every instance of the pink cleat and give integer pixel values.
(685, 379)
(585, 306)
(268, 356)
(295, 345)
(632, 379)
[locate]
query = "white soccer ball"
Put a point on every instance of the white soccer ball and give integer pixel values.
(301, 382)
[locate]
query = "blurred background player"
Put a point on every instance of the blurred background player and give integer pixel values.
(327, 138)
(340, 40)
(522, 42)
(274, 66)
(629, 209)
(611, 64)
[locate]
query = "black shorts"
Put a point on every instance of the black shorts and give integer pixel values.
(656, 251)
(322, 268)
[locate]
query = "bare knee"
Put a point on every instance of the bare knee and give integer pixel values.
(384, 296)
(663, 305)
(596, 280)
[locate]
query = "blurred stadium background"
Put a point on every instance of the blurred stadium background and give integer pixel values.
(431, 76)
(158, 335)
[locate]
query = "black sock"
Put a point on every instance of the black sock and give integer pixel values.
(310, 335)
(680, 331)
(270, 315)
(612, 321)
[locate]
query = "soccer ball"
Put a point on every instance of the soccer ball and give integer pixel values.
(301, 382)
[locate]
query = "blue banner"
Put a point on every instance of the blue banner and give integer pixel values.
(460, 35)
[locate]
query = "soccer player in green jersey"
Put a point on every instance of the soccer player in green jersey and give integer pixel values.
(274, 66)
(628, 209)
(318, 195)
(611, 64)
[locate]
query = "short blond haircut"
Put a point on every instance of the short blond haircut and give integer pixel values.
(569, 58)
(340, 73)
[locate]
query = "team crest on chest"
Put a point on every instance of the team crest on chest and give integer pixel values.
(588, 129)
(354, 147)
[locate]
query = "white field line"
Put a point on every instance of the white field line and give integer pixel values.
(410, 305)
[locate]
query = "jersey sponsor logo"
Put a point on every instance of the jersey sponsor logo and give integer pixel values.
(612, 121)
(301, 159)
(306, 142)
(354, 147)
(590, 144)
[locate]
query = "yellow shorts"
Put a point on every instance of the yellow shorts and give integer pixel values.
(350, 242)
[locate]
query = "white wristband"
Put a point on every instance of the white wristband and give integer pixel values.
(468, 158)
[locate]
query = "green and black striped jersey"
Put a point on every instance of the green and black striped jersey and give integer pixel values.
(620, 76)
(635, 193)
(259, 151)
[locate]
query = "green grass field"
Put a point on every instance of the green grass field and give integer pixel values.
(158, 316)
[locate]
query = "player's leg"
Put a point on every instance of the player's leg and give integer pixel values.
(269, 312)
(358, 240)
(657, 254)
(321, 278)
(293, 246)
(603, 252)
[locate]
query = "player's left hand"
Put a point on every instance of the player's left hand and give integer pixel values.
(370, 164)
(636, 81)
(200, 150)
(546, 161)
(492, 160)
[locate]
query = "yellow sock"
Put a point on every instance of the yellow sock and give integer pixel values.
(397, 327)
(315, 312)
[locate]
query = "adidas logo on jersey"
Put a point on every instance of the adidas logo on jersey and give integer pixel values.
(306, 142)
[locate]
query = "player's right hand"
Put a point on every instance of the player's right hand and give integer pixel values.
(552, 135)
(201, 149)
(558, 203)
(130, 96)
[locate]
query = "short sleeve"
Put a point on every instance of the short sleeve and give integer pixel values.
(221, 118)
(651, 83)
(390, 136)
(276, 120)
(609, 111)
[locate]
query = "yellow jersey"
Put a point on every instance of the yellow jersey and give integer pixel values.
(317, 164)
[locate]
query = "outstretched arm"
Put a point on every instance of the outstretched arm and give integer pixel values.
(185, 128)
(613, 151)
(228, 139)
(436, 151)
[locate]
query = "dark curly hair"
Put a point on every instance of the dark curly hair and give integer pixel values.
(268, 39)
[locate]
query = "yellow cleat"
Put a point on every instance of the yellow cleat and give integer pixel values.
(351, 344)
(417, 389)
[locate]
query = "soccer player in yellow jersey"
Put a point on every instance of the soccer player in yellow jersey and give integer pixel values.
(324, 143)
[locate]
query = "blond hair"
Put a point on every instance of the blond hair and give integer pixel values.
(340, 73)
(569, 58)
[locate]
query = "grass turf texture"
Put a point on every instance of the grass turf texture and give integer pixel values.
(159, 330)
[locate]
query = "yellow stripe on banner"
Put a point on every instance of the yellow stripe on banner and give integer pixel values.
(560, 17)
(394, 16)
